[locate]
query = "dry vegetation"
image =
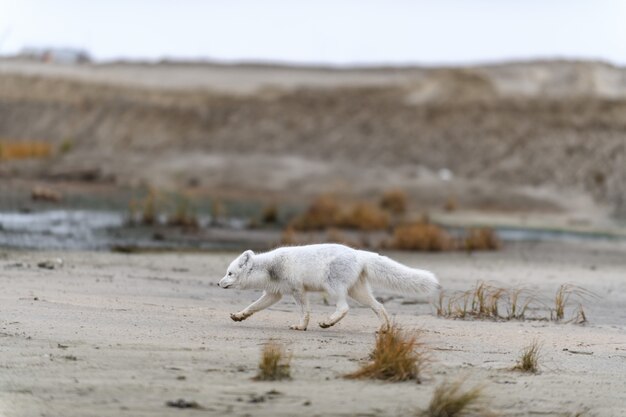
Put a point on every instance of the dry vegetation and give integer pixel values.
(450, 400)
(395, 201)
(176, 209)
(529, 358)
(397, 356)
(274, 364)
(184, 214)
(482, 238)
(327, 213)
(10, 150)
(491, 302)
(421, 236)
(270, 214)
(566, 295)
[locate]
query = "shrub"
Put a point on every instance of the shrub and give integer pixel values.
(397, 356)
(449, 400)
(270, 214)
(483, 238)
(184, 215)
(529, 358)
(421, 236)
(564, 294)
(394, 201)
(324, 212)
(274, 364)
(364, 216)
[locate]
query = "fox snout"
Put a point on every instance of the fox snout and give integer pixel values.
(224, 283)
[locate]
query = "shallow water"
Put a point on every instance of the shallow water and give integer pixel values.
(108, 229)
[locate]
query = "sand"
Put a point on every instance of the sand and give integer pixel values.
(119, 335)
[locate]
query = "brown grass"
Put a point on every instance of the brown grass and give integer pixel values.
(421, 236)
(217, 211)
(274, 364)
(145, 210)
(529, 358)
(184, 214)
(483, 238)
(450, 400)
(10, 150)
(395, 201)
(364, 216)
(565, 295)
(519, 300)
(289, 236)
(324, 212)
(337, 236)
(270, 214)
(487, 301)
(451, 204)
(397, 356)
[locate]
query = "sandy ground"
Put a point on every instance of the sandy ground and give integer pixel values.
(119, 335)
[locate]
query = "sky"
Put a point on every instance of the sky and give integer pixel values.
(339, 32)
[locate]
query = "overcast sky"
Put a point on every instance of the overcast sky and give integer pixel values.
(336, 32)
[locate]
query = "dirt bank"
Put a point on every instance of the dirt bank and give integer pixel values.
(512, 130)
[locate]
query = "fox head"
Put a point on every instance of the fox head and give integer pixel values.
(238, 270)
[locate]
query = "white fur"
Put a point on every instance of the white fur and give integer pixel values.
(338, 270)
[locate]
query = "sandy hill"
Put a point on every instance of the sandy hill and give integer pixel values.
(510, 135)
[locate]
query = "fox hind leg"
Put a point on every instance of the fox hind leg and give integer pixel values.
(362, 293)
(340, 312)
(303, 302)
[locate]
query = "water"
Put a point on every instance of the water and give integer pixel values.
(59, 229)
(109, 229)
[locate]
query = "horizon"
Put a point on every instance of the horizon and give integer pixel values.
(324, 34)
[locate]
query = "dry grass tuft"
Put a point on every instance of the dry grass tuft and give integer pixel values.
(483, 238)
(397, 356)
(395, 201)
(529, 358)
(145, 210)
(337, 236)
(324, 212)
(451, 204)
(289, 237)
(184, 214)
(421, 236)
(485, 301)
(274, 364)
(10, 150)
(519, 300)
(450, 400)
(364, 216)
(567, 293)
(270, 214)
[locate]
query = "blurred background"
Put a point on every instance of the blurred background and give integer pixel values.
(425, 125)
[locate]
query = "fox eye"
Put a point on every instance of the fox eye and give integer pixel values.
(230, 273)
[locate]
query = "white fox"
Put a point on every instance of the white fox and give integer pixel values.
(336, 269)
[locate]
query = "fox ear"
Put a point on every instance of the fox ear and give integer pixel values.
(245, 258)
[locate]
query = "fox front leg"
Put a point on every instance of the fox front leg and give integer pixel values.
(303, 302)
(266, 300)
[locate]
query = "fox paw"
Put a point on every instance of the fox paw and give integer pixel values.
(297, 327)
(324, 325)
(238, 317)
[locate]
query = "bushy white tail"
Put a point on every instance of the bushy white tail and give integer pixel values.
(384, 272)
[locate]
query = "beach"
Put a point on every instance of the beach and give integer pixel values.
(122, 334)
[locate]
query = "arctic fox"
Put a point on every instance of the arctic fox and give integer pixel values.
(336, 269)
